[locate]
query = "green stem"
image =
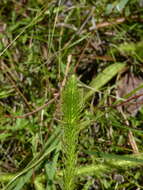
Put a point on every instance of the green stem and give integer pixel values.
(71, 108)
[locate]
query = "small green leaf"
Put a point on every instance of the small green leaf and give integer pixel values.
(4, 136)
(109, 8)
(121, 5)
(105, 76)
(5, 92)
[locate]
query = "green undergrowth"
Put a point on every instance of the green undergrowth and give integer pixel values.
(60, 63)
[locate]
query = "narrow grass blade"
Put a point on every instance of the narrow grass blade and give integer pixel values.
(121, 158)
(53, 142)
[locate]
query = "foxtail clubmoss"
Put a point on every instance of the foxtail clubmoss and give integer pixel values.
(71, 109)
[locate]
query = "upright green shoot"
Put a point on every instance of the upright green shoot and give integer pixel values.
(71, 108)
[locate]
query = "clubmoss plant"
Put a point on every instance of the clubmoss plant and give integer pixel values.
(71, 108)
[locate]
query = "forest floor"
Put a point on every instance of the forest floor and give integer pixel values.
(43, 43)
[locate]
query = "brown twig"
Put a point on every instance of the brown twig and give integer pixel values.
(81, 56)
(12, 81)
(114, 22)
(133, 143)
(124, 102)
(66, 72)
(34, 111)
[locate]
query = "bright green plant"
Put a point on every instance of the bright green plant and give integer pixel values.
(71, 108)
